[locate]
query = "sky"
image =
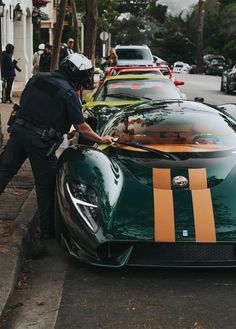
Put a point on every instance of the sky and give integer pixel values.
(176, 6)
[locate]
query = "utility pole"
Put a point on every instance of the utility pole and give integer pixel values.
(200, 28)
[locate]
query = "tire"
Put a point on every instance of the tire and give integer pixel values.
(222, 86)
(227, 90)
(59, 226)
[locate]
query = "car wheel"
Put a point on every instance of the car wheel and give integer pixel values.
(59, 226)
(222, 86)
(227, 90)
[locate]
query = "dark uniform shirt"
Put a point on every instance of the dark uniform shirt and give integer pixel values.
(49, 100)
(7, 66)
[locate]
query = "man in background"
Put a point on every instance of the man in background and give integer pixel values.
(45, 59)
(67, 50)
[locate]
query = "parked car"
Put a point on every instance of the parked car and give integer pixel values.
(228, 81)
(134, 55)
(193, 69)
(181, 67)
(166, 71)
(158, 60)
(163, 194)
(122, 90)
(214, 65)
(141, 70)
(114, 70)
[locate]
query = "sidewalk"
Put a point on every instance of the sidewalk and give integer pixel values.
(18, 216)
(18, 213)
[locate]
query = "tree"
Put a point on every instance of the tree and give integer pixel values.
(90, 29)
(75, 24)
(58, 34)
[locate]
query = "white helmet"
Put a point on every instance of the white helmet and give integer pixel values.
(80, 61)
(77, 66)
(41, 46)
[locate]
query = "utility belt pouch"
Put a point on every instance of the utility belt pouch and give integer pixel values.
(12, 116)
(49, 135)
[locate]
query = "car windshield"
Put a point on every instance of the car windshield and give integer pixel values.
(140, 72)
(130, 54)
(217, 61)
(177, 131)
(140, 89)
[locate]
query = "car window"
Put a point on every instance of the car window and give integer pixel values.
(198, 131)
(140, 72)
(138, 89)
(142, 54)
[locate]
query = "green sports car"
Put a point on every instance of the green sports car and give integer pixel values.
(163, 194)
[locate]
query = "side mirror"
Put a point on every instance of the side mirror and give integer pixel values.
(88, 97)
(199, 99)
(179, 82)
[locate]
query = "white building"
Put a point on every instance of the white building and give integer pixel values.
(17, 29)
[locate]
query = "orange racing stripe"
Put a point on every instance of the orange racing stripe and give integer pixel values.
(202, 206)
(164, 226)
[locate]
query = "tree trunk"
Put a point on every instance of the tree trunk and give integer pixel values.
(200, 27)
(58, 33)
(90, 29)
(75, 24)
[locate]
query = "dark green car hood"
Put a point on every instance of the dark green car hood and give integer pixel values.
(138, 200)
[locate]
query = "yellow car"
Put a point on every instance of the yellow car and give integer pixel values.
(122, 90)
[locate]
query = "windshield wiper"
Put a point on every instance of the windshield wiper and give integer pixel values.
(124, 96)
(162, 154)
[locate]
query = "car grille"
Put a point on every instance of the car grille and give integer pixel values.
(184, 254)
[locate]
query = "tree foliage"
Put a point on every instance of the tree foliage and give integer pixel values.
(170, 37)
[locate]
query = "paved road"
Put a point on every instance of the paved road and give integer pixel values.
(59, 292)
(206, 86)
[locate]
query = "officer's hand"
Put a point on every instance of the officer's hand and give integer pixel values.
(106, 139)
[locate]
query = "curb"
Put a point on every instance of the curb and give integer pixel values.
(13, 255)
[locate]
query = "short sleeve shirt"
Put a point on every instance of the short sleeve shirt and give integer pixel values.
(74, 108)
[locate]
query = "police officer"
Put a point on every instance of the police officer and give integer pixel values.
(49, 106)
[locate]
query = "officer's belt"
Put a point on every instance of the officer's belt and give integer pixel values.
(28, 125)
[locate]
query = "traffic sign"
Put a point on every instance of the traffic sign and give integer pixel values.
(104, 36)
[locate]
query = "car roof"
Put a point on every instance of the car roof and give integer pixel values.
(135, 69)
(132, 47)
(136, 76)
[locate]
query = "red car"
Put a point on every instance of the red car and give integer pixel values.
(164, 69)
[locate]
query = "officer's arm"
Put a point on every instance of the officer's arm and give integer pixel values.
(87, 132)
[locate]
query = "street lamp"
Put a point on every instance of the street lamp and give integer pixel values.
(2, 5)
(18, 12)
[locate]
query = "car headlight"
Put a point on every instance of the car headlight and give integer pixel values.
(85, 201)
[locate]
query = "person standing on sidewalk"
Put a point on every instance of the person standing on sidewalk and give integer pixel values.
(45, 59)
(68, 50)
(8, 67)
(49, 106)
(36, 58)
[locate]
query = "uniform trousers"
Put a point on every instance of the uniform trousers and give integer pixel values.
(22, 144)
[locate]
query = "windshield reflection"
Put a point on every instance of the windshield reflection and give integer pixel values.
(177, 131)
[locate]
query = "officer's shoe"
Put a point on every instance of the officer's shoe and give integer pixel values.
(8, 101)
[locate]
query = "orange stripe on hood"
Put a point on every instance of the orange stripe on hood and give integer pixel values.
(164, 226)
(202, 206)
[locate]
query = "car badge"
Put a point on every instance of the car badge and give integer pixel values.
(179, 181)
